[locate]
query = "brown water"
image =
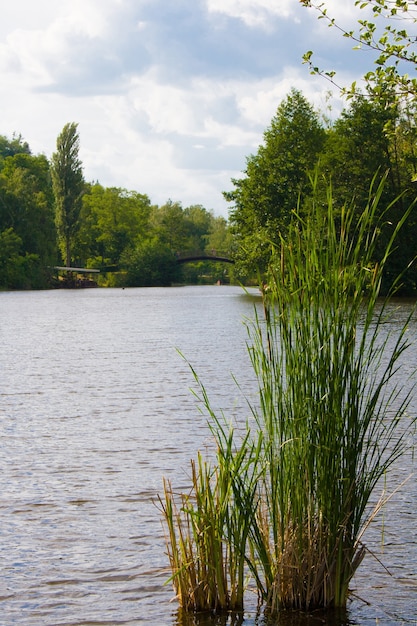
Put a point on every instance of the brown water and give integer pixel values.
(95, 408)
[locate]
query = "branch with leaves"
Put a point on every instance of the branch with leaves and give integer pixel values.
(390, 32)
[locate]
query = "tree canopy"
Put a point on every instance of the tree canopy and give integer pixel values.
(274, 177)
(111, 219)
(27, 230)
(369, 140)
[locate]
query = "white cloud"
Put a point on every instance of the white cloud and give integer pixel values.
(259, 105)
(345, 13)
(169, 109)
(26, 15)
(64, 49)
(170, 97)
(255, 13)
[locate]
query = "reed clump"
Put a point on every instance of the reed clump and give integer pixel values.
(207, 536)
(288, 501)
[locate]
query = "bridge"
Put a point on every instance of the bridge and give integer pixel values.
(199, 256)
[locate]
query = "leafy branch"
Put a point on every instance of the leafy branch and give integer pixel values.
(394, 45)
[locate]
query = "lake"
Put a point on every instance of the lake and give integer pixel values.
(95, 409)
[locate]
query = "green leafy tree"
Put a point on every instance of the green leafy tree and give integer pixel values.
(387, 29)
(170, 226)
(111, 220)
(274, 178)
(28, 201)
(372, 140)
(197, 226)
(26, 211)
(12, 261)
(219, 237)
(10, 147)
(68, 187)
(150, 264)
(357, 147)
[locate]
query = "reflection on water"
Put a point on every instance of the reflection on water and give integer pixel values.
(285, 618)
(95, 408)
(182, 618)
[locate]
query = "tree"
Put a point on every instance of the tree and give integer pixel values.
(170, 227)
(12, 262)
(371, 140)
(26, 212)
(219, 237)
(357, 147)
(112, 220)
(10, 147)
(197, 223)
(68, 187)
(274, 178)
(387, 29)
(28, 198)
(150, 264)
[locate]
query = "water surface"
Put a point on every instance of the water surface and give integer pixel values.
(95, 408)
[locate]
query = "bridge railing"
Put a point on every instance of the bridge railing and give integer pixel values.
(200, 255)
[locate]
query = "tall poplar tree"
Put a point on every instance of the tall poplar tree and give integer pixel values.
(68, 187)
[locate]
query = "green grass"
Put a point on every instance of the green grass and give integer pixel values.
(288, 500)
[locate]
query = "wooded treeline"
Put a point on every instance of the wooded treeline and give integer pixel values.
(371, 137)
(122, 230)
(113, 229)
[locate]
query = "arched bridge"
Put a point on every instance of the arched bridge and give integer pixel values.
(190, 257)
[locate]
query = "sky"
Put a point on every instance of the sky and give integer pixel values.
(170, 96)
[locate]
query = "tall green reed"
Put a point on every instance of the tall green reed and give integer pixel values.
(330, 412)
(289, 497)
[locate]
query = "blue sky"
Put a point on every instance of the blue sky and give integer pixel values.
(170, 95)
